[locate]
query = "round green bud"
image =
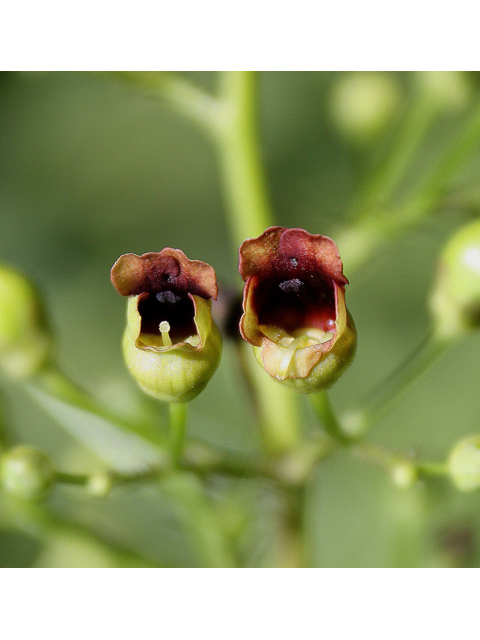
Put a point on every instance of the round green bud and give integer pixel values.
(404, 474)
(26, 473)
(449, 90)
(464, 464)
(99, 484)
(455, 300)
(363, 103)
(25, 340)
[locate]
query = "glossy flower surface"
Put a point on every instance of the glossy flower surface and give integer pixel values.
(171, 344)
(294, 307)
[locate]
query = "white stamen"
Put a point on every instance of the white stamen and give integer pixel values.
(164, 327)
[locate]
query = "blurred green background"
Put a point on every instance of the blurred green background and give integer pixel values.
(91, 169)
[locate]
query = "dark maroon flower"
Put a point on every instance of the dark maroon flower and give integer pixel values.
(294, 307)
(171, 344)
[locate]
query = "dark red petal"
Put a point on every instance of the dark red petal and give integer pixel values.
(168, 270)
(291, 254)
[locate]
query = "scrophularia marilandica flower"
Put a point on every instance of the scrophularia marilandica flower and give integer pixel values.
(294, 307)
(171, 345)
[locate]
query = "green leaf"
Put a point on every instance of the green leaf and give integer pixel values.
(123, 451)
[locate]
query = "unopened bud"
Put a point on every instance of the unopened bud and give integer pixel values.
(464, 464)
(455, 301)
(25, 340)
(363, 103)
(26, 473)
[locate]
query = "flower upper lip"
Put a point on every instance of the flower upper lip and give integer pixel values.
(163, 271)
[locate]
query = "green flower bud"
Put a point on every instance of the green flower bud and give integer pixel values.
(171, 345)
(464, 464)
(294, 308)
(455, 301)
(99, 484)
(363, 103)
(25, 340)
(449, 90)
(26, 473)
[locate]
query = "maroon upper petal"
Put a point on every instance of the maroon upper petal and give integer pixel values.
(287, 254)
(168, 271)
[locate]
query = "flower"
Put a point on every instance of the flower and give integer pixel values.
(171, 345)
(294, 307)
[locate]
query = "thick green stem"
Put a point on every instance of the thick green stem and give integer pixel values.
(276, 408)
(290, 550)
(405, 513)
(249, 214)
(240, 157)
(178, 427)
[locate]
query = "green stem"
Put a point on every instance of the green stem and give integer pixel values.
(402, 468)
(292, 550)
(84, 479)
(178, 426)
(184, 96)
(405, 515)
(433, 469)
(240, 157)
(324, 410)
(276, 408)
(249, 215)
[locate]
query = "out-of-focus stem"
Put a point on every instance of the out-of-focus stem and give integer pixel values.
(249, 214)
(321, 403)
(184, 96)
(240, 158)
(178, 426)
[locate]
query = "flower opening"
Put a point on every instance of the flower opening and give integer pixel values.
(294, 307)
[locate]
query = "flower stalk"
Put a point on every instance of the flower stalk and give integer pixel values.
(178, 427)
(249, 214)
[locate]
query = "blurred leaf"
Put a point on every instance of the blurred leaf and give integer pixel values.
(123, 451)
